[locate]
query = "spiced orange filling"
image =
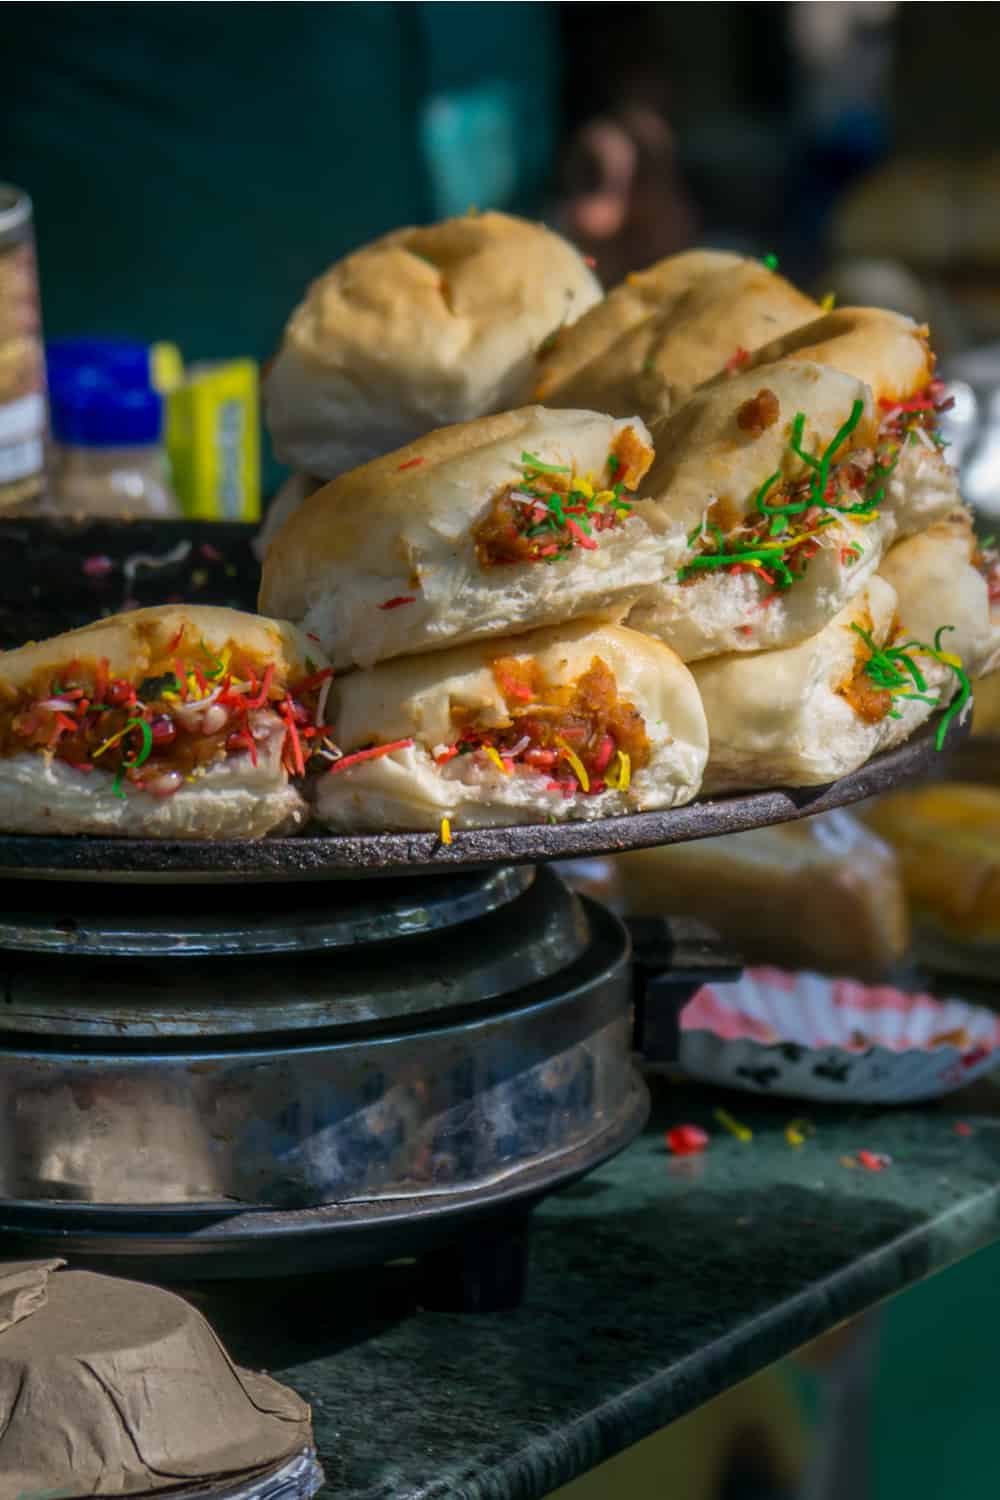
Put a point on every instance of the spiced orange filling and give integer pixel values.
(886, 676)
(191, 709)
(551, 510)
(582, 736)
(869, 702)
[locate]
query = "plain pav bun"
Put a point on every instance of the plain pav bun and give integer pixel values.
(180, 722)
(641, 296)
(421, 328)
(586, 721)
(488, 528)
(652, 364)
(790, 486)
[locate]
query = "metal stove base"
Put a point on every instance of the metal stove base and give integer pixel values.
(472, 1244)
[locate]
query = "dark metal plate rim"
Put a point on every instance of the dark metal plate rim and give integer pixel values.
(346, 855)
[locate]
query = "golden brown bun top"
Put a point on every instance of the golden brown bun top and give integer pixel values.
(135, 641)
(704, 456)
(886, 350)
(424, 297)
(640, 296)
(646, 356)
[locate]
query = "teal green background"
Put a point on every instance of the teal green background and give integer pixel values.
(193, 166)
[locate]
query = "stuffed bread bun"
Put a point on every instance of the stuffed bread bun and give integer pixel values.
(588, 721)
(488, 528)
(180, 722)
(891, 354)
(788, 505)
(946, 562)
(422, 327)
(811, 713)
(652, 366)
(986, 561)
(290, 495)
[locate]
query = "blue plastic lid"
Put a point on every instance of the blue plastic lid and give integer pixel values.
(125, 361)
(92, 412)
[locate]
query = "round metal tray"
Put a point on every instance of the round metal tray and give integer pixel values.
(342, 856)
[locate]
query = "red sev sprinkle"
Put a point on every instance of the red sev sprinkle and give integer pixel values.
(589, 261)
(918, 403)
(737, 361)
(581, 536)
(374, 753)
(288, 714)
(400, 598)
(412, 463)
(260, 698)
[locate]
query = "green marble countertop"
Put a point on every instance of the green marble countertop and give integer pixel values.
(655, 1284)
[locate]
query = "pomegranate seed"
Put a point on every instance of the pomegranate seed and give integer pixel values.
(119, 693)
(542, 760)
(163, 729)
(687, 1140)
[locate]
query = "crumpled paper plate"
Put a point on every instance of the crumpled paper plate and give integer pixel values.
(804, 1036)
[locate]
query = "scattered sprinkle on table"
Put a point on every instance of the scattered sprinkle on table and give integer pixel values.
(98, 566)
(735, 1127)
(686, 1140)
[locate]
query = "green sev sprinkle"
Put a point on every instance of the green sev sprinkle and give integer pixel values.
(535, 465)
(218, 665)
(771, 261)
(614, 464)
(892, 669)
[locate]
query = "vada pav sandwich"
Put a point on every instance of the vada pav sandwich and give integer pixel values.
(488, 528)
(811, 713)
(791, 481)
(181, 722)
(585, 721)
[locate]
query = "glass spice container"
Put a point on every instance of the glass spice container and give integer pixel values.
(22, 361)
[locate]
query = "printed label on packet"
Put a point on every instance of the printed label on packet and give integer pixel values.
(213, 442)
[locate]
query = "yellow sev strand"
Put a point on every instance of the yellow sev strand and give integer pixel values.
(108, 743)
(725, 1119)
(624, 771)
(494, 756)
(797, 1130)
(828, 301)
(445, 831)
(578, 767)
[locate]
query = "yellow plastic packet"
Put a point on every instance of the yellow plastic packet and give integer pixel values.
(213, 441)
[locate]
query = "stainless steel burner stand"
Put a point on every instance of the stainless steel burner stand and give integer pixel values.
(261, 1080)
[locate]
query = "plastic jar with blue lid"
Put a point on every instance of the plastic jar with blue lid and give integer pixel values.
(108, 456)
